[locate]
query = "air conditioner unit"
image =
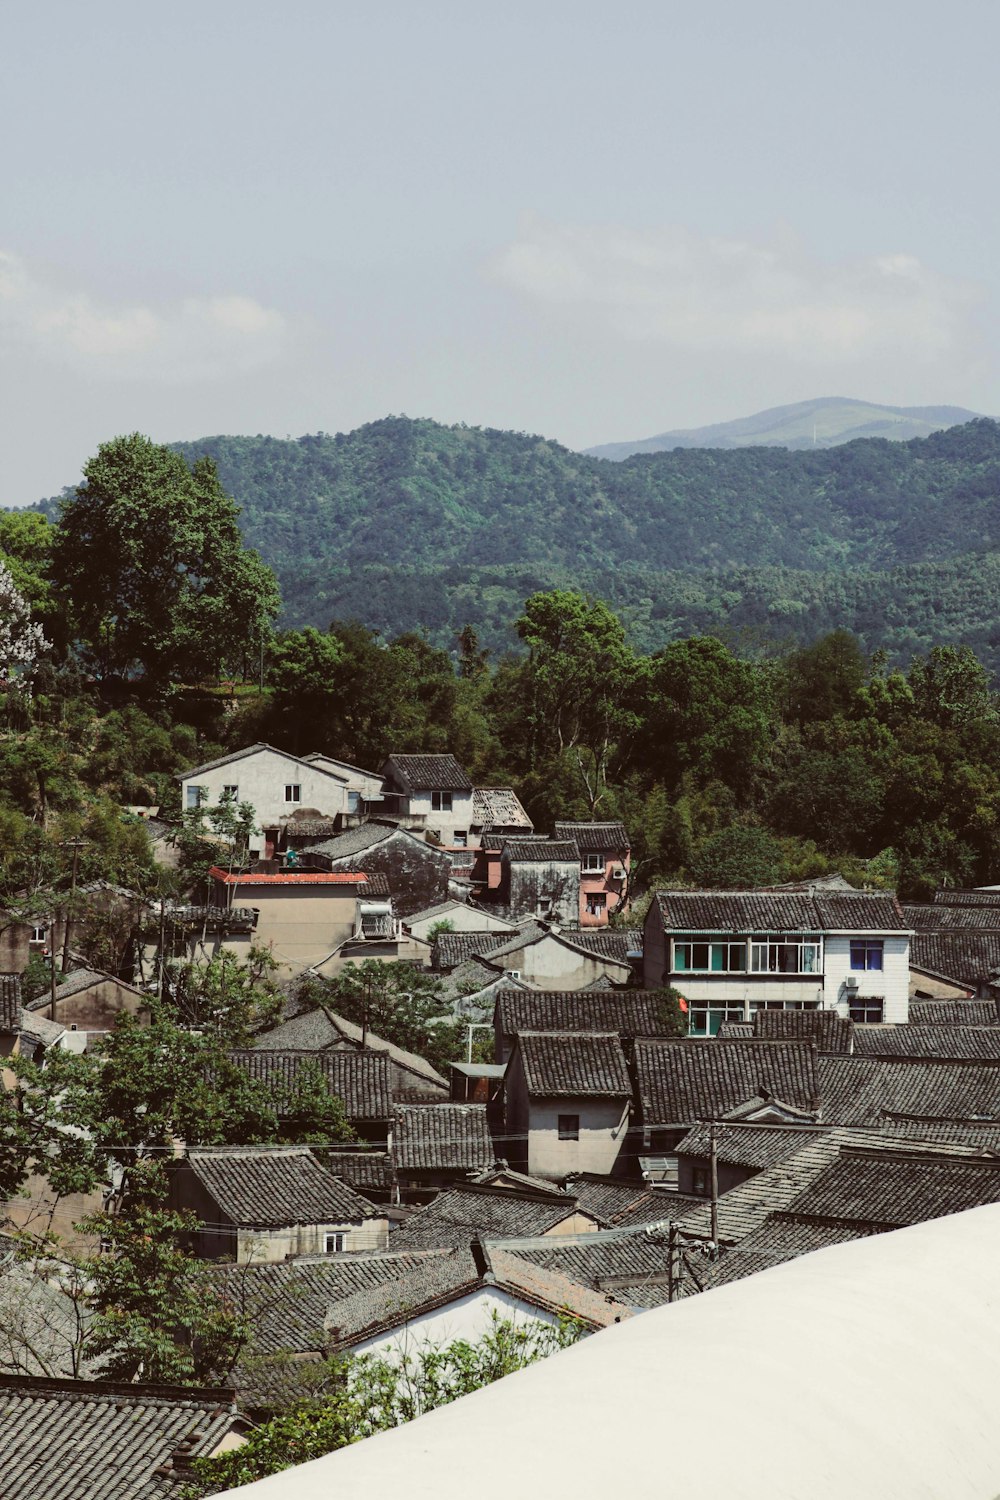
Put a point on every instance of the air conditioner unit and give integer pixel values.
(851, 982)
(618, 872)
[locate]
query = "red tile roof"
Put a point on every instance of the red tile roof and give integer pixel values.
(302, 877)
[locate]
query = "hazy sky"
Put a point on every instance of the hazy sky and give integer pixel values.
(590, 220)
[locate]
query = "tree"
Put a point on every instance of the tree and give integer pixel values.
(229, 997)
(22, 643)
(150, 563)
(397, 1003)
(738, 858)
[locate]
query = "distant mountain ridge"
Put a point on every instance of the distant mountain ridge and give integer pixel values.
(822, 423)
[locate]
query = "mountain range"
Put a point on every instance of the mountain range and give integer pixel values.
(823, 423)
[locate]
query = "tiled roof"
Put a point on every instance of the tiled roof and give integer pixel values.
(453, 948)
(967, 898)
(554, 1291)
(615, 1201)
(609, 942)
(969, 957)
(830, 1031)
(430, 773)
(927, 1041)
(779, 1238)
(595, 837)
(953, 1013)
(35, 1027)
(591, 1259)
(441, 1137)
(270, 1186)
(948, 918)
(356, 840)
(360, 1079)
(628, 1012)
(40, 1324)
(323, 1029)
(573, 1064)
(494, 842)
(539, 851)
(88, 1440)
(889, 1189)
(464, 1210)
(499, 807)
(975, 1135)
(736, 1031)
(309, 828)
(288, 1301)
(366, 1171)
(235, 755)
(679, 1082)
(513, 942)
(754, 1146)
(861, 1090)
(749, 912)
(297, 877)
(10, 1001)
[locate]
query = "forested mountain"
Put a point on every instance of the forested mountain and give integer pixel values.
(405, 523)
(822, 423)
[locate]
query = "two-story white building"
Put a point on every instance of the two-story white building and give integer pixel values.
(732, 953)
(432, 794)
(278, 786)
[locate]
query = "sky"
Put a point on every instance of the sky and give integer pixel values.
(594, 221)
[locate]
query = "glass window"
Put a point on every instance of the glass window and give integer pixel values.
(786, 956)
(334, 1243)
(231, 793)
(597, 903)
(865, 1010)
(195, 796)
(460, 838)
(593, 864)
(569, 1127)
(293, 793)
(441, 801)
(866, 953)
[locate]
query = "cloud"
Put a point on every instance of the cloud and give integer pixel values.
(704, 294)
(198, 338)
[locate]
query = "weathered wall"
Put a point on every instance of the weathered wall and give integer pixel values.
(259, 1245)
(417, 873)
(527, 883)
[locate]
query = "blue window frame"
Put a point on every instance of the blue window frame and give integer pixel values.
(866, 953)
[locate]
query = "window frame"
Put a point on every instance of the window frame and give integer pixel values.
(195, 797)
(232, 792)
(592, 864)
(596, 903)
(567, 1130)
(864, 950)
(734, 957)
(770, 955)
(862, 1010)
(441, 801)
(293, 791)
(334, 1234)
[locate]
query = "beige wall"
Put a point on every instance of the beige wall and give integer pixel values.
(552, 965)
(258, 1245)
(535, 1125)
(98, 1007)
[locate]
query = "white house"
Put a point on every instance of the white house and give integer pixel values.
(732, 953)
(432, 793)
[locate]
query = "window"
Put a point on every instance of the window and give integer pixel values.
(866, 953)
(701, 1181)
(293, 793)
(195, 796)
(544, 905)
(569, 1127)
(786, 956)
(705, 1019)
(710, 958)
(40, 935)
(230, 794)
(333, 1244)
(866, 1010)
(597, 903)
(592, 864)
(441, 801)
(460, 838)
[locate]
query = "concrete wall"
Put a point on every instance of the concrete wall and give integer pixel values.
(261, 779)
(300, 924)
(98, 1007)
(892, 982)
(552, 965)
(603, 884)
(533, 1125)
(462, 919)
(526, 883)
(419, 805)
(256, 1246)
(417, 873)
(469, 1317)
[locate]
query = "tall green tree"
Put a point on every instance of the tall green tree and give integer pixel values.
(151, 565)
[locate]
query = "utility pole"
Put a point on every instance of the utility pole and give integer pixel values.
(76, 845)
(713, 1167)
(671, 1252)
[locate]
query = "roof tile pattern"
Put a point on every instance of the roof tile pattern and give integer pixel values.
(966, 898)
(498, 807)
(679, 1082)
(948, 918)
(628, 1012)
(541, 851)
(360, 1079)
(927, 1041)
(10, 1001)
(453, 948)
(953, 1013)
(573, 1065)
(441, 1137)
(462, 1211)
(430, 773)
(608, 942)
(751, 912)
(830, 1031)
(887, 1190)
(754, 1146)
(595, 838)
(270, 1186)
(863, 1090)
(968, 957)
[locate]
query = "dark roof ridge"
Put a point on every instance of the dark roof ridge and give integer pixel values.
(201, 1395)
(973, 1155)
(514, 1194)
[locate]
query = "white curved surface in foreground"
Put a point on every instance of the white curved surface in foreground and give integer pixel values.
(870, 1369)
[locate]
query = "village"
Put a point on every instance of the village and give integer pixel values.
(651, 1094)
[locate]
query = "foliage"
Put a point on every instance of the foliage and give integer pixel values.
(395, 1001)
(45, 1124)
(21, 640)
(227, 998)
(375, 1394)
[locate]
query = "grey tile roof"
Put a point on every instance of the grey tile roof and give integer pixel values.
(967, 898)
(628, 1012)
(270, 1186)
(10, 1001)
(927, 1041)
(87, 1440)
(529, 932)
(360, 1079)
(830, 1031)
(736, 1031)
(355, 840)
(949, 918)
(614, 1200)
(754, 1146)
(969, 957)
(609, 942)
(535, 851)
(889, 1189)
(749, 912)
(597, 838)
(462, 1211)
(781, 1237)
(494, 842)
(366, 1171)
(573, 1064)
(441, 1137)
(372, 1310)
(40, 1325)
(429, 773)
(953, 1013)
(323, 1029)
(862, 1090)
(679, 1082)
(554, 1291)
(453, 948)
(977, 1135)
(498, 807)
(593, 1258)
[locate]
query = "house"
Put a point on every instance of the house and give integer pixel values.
(459, 1296)
(89, 1002)
(497, 810)
(417, 873)
(732, 953)
(544, 956)
(494, 1212)
(434, 1143)
(456, 916)
(830, 1031)
(475, 1083)
(79, 1439)
(275, 784)
(628, 1013)
(951, 962)
(364, 788)
(605, 859)
(541, 878)
(323, 1030)
(866, 1091)
(954, 1013)
(567, 1097)
(308, 918)
(432, 794)
(266, 1203)
(360, 1079)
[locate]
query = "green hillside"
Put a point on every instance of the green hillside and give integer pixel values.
(823, 423)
